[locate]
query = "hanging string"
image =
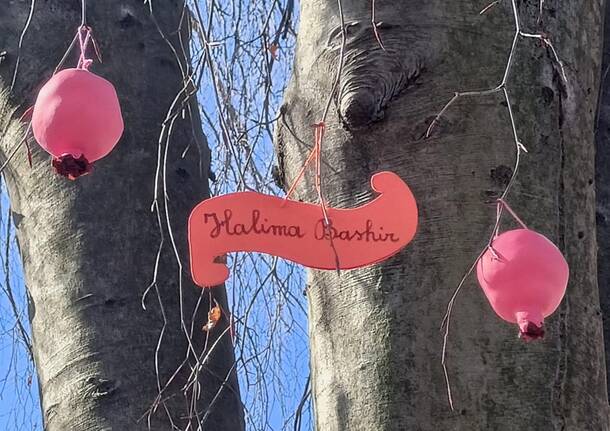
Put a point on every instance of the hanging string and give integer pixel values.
(502, 203)
(84, 37)
(316, 152)
(316, 156)
(299, 176)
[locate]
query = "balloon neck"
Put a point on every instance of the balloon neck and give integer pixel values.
(531, 325)
(72, 167)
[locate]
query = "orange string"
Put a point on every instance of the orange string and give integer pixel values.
(315, 154)
(301, 173)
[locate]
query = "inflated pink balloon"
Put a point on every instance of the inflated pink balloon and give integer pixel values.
(524, 276)
(77, 119)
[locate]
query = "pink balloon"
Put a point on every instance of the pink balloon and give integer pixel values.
(77, 119)
(524, 276)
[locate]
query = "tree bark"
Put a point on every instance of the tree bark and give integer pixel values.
(602, 188)
(89, 246)
(375, 340)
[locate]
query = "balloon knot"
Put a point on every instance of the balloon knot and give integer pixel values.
(69, 166)
(529, 331)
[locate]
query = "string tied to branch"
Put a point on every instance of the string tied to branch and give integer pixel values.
(85, 36)
(315, 156)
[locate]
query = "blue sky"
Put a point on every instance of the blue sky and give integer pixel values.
(19, 405)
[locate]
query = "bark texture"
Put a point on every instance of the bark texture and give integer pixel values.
(602, 187)
(375, 342)
(89, 246)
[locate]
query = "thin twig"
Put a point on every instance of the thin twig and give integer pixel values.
(83, 21)
(519, 149)
(9, 291)
(489, 6)
(374, 24)
(21, 38)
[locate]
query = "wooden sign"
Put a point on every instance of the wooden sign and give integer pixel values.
(254, 222)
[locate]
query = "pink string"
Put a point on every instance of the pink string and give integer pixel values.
(505, 205)
(84, 37)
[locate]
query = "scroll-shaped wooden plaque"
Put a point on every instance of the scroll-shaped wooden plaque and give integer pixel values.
(250, 221)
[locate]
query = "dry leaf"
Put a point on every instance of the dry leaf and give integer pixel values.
(273, 48)
(213, 317)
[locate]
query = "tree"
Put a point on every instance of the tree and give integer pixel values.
(374, 332)
(602, 187)
(90, 247)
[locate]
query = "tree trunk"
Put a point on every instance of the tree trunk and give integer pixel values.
(89, 246)
(375, 340)
(602, 189)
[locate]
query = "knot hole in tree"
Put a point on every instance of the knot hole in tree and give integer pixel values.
(379, 64)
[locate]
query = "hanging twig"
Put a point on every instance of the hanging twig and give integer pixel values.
(9, 291)
(21, 38)
(519, 149)
(83, 22)
(374, 24)
(231, 58)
